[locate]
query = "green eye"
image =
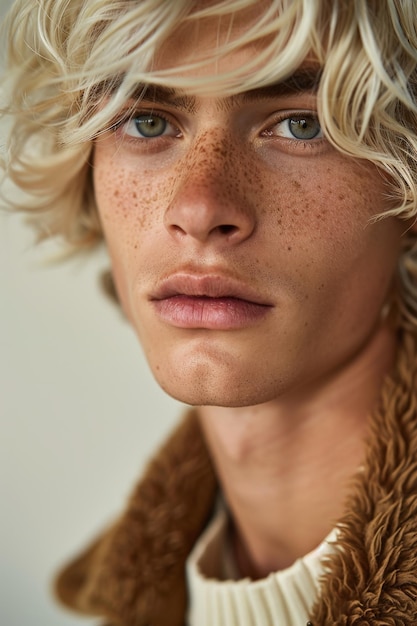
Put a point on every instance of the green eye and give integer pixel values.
(304, 127)
(297, 127)
(150, 125)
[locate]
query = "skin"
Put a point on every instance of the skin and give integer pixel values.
(226, 192)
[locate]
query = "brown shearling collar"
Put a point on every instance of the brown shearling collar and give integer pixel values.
(134, 574)
(372, 577)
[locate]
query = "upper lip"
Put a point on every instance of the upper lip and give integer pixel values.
(209, 285)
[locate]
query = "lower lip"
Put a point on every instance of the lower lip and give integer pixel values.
(209, 313)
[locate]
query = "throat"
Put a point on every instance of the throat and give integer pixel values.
(285, 470)
(285, 499)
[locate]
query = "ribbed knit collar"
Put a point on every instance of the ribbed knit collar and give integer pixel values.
(284, 597)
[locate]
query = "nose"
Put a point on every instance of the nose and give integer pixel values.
(210, 202)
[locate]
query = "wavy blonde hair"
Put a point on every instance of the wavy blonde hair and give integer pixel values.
(72, 65)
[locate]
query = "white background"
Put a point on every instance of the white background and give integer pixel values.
(79, 416)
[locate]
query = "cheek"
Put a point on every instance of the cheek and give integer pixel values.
(322, 230)
(125, 201)
(130, 202)
(328, 206)
(127, 206)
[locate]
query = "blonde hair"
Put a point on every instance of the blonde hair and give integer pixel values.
(72, 64)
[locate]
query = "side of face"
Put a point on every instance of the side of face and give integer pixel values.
(241, 242)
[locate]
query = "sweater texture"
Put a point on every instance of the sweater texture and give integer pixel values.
(219, 595)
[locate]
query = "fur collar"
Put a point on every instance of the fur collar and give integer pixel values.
(372, 579)
(133, 575)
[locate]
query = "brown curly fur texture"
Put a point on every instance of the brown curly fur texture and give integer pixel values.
(372, 578)
(134, 575)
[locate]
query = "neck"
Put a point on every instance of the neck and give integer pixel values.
(284, 466)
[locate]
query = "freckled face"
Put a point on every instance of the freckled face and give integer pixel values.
(241, 244)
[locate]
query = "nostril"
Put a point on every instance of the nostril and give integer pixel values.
(227, 229)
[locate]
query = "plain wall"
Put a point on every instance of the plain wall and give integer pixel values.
(80, 414)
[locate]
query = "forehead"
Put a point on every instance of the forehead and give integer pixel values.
(204, 37)
(225, 47)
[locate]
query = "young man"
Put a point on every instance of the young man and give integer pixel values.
(252, 168)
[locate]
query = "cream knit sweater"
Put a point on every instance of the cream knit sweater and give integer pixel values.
(219, 598)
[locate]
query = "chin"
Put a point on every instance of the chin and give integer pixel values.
(216, 391)
(215, 373)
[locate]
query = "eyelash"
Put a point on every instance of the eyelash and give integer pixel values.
(142, 113)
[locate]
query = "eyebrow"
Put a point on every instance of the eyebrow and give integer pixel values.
(303, 80)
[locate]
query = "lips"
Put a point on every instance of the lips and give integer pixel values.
(207, 301)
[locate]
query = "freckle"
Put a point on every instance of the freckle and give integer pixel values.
(142, 222)
(289, 248)
(296, 184)
(341, 197)
(116, 193)
(135, 195)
